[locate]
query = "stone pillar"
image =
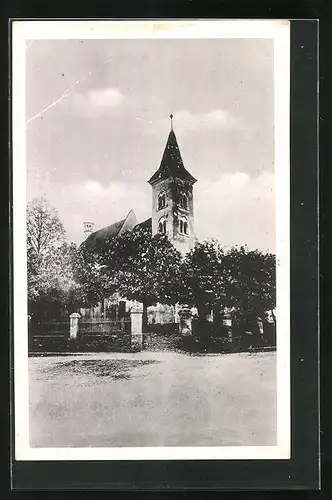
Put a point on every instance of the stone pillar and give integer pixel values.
(105, 309)
(176, 313)
(261, 328)
(228, 325)
(209, 316)
(73, 325)
(136, 315)
(185, 321)
(29, 333)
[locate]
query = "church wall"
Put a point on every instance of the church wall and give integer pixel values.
(161, 313)
(172, 212)
(184, 243)
(166, 187)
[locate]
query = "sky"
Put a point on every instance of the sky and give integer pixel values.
(97, 121)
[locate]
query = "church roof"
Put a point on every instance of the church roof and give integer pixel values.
(115, 229)
(105, 232)
(171, 164)
(146, 224)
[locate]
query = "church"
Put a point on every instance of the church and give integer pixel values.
(172, 213)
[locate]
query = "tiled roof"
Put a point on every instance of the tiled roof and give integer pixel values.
(146, 224)
(112, 231)
(105, 232)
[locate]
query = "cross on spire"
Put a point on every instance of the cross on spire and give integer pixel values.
(171, 117)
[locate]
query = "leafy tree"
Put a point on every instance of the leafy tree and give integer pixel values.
(45, 230)
(138, 266)
(152, 270)
(52, 288)
(149, 269)
(241, 280)
(203, 277)
(50, 259)
(94, 278)
(251, 283)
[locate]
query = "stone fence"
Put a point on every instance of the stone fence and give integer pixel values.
(80, 334)
(134, 328)
(225, 335)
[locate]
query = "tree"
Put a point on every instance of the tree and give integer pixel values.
(203, 277)
(138, 266)
(52, 287)
(250, 283)
(94, 278)
(50, 259)
(45, 230)
(151, 272)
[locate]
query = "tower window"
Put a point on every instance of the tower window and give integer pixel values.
(162, 226)
(161, 201)
(183, 201)
(183, 226)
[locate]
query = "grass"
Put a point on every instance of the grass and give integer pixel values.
(116, 369)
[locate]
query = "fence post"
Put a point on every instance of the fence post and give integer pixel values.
(185, 321)
(261, 328)
(209, 316)
(176, 313)
(30, 343)
(73, 325)
(136, 315)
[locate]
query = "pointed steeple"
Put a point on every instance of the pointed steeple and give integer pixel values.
(171, 164)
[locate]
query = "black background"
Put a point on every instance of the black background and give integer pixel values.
(302, 471)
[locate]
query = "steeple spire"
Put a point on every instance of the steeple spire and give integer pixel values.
(171, 163)
(172, 197)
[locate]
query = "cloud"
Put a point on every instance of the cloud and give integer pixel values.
(115, 192)
(237, 209)
(95, 102)
(186, 121)
(109, 97)
(231, 188)
(93, 187)
(214, 119)
(100, 203)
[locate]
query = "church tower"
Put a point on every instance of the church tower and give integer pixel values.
(172, 198)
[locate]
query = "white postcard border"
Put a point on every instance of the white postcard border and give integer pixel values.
(23, 33)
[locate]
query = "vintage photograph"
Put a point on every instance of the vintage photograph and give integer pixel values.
(150, 166)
